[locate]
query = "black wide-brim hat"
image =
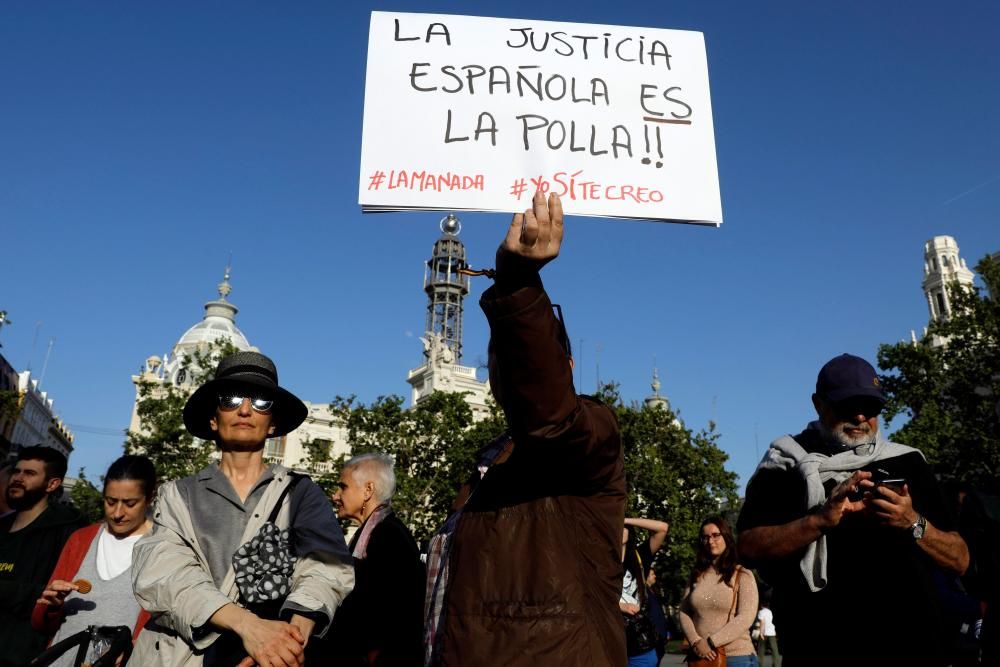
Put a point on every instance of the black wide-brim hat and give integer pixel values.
(243, 370)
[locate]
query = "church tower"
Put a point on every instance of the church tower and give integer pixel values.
(446, 290)
(943, 266)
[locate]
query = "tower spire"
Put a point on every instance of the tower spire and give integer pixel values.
(224, 287)
(221, 307)
(655, 400)
(446, 288)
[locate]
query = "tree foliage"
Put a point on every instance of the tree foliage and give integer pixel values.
(10, 404)
(175, 452)
(87, 498)
(675, 475)
(950, 392)
(434, 445)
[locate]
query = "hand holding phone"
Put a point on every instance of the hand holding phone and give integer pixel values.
(894, 483)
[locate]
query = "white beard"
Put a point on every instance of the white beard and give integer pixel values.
(837, 437)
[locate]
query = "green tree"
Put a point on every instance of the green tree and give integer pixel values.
(87, 498)
(434, 446)
(949, 392)
(322, 466)
(675, 475)
(10, 404)
(175, 452)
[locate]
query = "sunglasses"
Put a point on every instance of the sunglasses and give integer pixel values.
(229, 402)
(852, 407)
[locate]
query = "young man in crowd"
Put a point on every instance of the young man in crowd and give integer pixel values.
(31, 538)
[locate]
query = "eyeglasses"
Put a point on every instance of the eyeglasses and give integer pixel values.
(228, 402)
(710, 537)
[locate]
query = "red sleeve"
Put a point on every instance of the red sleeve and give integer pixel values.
(140, 623)
(43, 618)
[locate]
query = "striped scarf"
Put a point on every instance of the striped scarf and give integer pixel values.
(360, 549)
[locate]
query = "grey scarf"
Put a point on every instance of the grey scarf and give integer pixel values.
(816, 468)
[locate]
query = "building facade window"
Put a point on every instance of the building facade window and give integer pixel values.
(274, 448)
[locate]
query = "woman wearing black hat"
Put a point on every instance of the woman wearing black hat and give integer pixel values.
(246, 560)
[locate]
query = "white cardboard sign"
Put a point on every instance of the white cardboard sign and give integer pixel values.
(470, 113)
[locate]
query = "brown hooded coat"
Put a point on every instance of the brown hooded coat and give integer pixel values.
(536, 559)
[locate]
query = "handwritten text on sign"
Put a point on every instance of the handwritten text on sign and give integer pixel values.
(470, 113)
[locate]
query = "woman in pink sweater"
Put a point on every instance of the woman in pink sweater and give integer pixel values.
(720, 603)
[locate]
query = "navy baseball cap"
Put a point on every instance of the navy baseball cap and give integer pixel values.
(847, 377)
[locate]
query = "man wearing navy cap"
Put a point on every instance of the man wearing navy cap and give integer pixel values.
(850, 530)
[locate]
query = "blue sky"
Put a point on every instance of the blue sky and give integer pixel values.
(142, 143)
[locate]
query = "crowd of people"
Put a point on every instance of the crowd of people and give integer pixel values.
(245, 562)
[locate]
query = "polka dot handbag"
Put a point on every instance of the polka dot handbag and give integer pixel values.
(264, 564)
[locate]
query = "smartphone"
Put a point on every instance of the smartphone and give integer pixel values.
(894, 483)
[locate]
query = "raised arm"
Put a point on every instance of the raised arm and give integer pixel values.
(531, 373)
(657, 531)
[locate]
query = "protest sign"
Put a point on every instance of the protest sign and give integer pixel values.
(470, 113)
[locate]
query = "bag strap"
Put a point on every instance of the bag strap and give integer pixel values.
(296, 478)
(640, 583)
(736, 590)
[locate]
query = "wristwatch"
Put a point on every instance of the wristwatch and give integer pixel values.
(918, 528)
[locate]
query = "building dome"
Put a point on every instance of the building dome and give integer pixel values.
(219, 324)
(211, 329)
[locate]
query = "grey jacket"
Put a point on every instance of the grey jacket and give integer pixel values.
(172, 581)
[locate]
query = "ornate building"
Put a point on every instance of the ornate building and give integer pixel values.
(27, 417)
(37, 423)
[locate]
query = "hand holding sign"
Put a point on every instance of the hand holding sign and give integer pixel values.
(536, 235)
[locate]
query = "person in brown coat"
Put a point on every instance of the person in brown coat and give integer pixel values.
(528, 570)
